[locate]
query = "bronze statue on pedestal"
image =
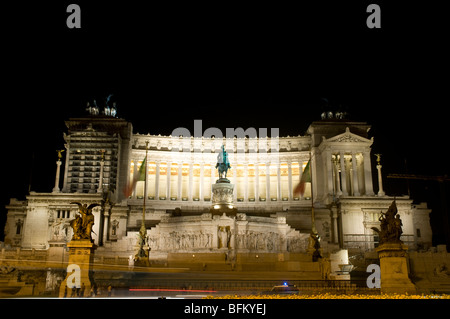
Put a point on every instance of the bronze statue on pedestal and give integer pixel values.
(223, 164)
(83, 223)
(390, 226)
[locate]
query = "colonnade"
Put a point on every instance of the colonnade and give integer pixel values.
(193, 181)
(349, 174)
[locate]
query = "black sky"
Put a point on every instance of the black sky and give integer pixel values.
(230, 65)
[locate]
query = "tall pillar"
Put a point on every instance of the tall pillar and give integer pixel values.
(168, 193)
(147, 177)
(58, 168)
(329, 172)
(133, 191)
(180, 181)
(157, 181)
(334, 222)
(380, 178)
(246, 182)
(213, 177)
(191, 181)
(343, 174)
(234, 181)
(337, 180)
(355, 182)
(201, 183)
(290, 180)
(106, 223)
(256, 181)
(278, 181)
(268, 181)
(368, 174)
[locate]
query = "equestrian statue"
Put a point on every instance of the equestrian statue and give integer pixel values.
(223, 165)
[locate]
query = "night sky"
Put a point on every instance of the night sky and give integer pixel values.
(229, 65)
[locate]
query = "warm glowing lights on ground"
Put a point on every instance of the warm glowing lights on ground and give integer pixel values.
(171, 290)
(332, 296)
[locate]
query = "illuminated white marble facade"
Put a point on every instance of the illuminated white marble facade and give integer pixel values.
(180, 173)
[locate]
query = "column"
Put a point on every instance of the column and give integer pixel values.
(368, 174)
(58, 168)
(268, 181)
(133, 191)
(180, 177)
(343, 174)
(169, 164)
(256, 181)
(245, 182)
(196, 181)
(278, 181)
(107, 221)
(380, 180)
(157, 181)
(334, 222)
(234, 181)
(355, 182)
(101, 226)
(213, 177)
(147, 176)
(290, 180)
(329, 172)
(337, 177)
(191, 181)
(201, 185)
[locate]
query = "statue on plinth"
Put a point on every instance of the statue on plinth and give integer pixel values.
(393, 254)
(223, 165)
(59, 154)
(83, 223)
(81, 252)
(390, 226)
(222, 190)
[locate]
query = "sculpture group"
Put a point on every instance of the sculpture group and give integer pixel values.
(83, 223)
(390, 226)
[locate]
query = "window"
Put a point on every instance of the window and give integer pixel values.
(418, 232)
(63, 213)
(19, 224)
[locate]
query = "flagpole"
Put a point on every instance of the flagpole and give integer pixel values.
(145, 190)
(142, 256)
(313, 217)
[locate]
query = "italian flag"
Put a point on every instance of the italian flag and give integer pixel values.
(306, 178)
(139, 175)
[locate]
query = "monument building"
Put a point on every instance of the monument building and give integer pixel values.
(168, 185)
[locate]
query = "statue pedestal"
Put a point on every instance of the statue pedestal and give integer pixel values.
(222, 198)
(81, 254)
(142, 261)
(394, 269)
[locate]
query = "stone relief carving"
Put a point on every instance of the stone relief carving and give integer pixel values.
(181, 240)
(59, 230)
(222, 195)
(441, 270)
(348, 138)
(298, 243)
(252, 240)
